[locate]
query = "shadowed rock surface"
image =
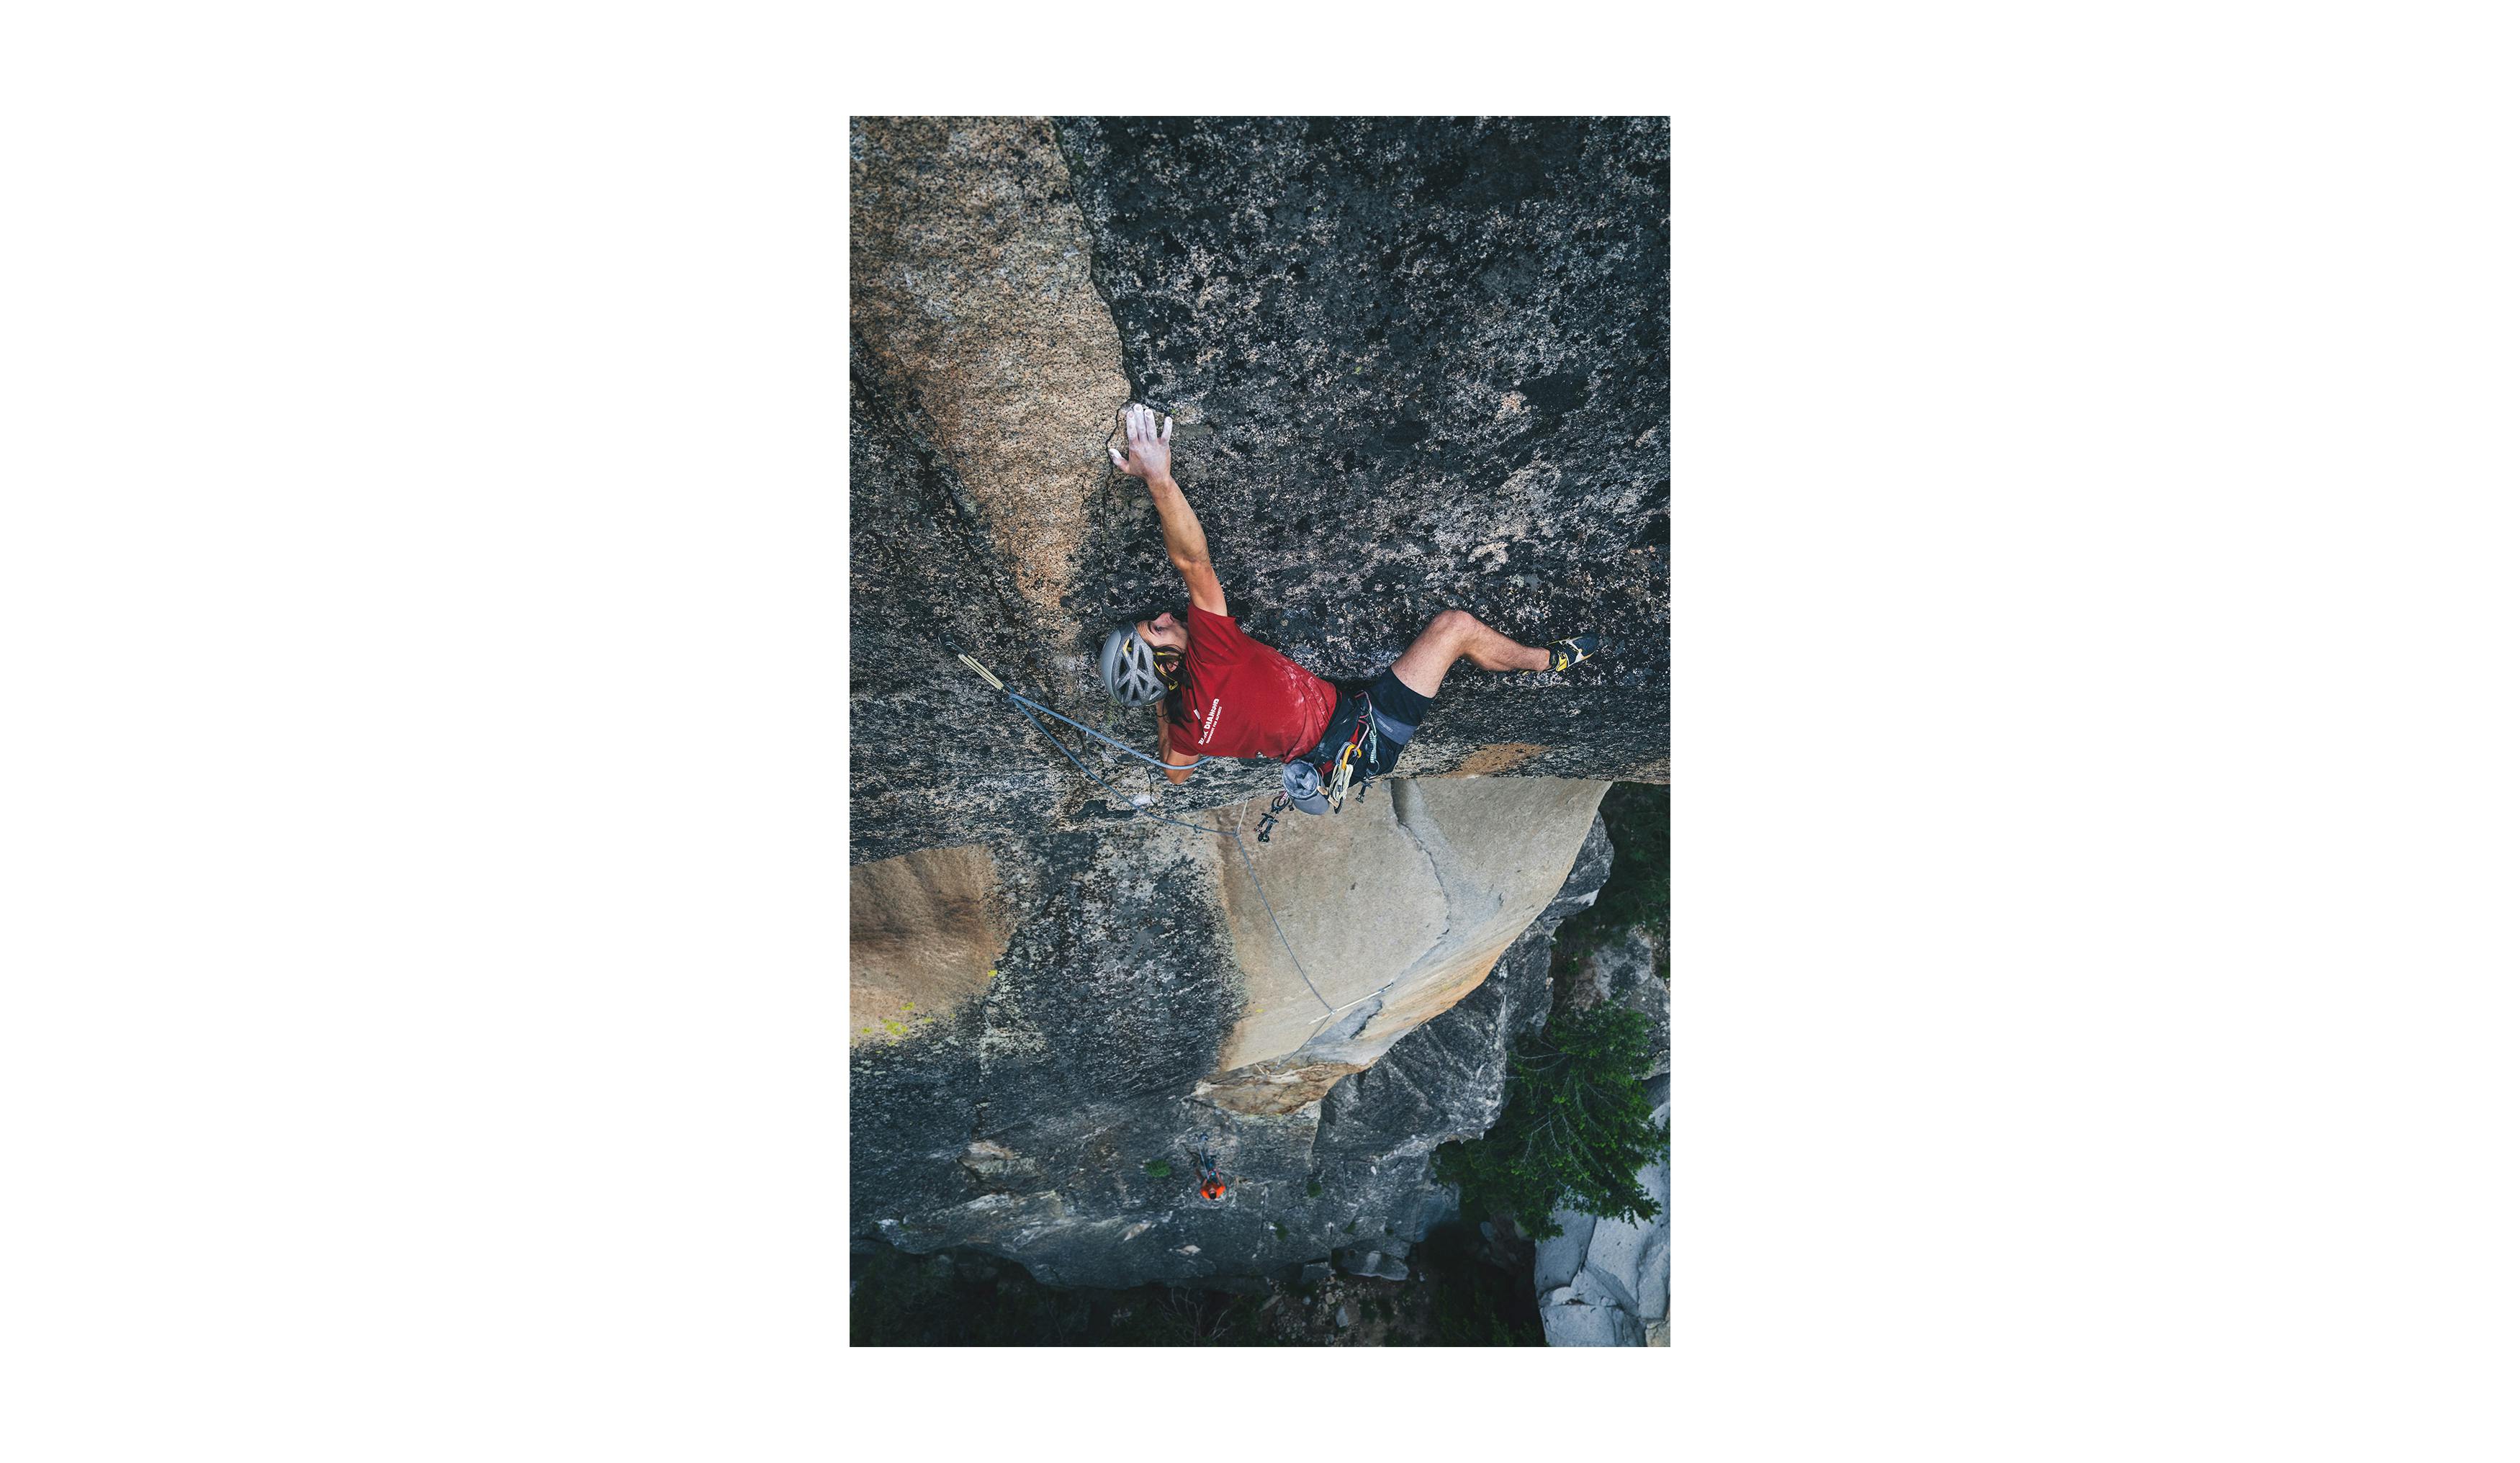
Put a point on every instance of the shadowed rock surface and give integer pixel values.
(1023, 1125)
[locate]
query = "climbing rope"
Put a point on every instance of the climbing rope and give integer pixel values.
(1028, 705)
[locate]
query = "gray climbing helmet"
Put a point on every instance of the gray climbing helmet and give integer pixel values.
(1129, 667)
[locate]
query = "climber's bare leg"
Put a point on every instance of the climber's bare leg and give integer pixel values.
(1454, 634)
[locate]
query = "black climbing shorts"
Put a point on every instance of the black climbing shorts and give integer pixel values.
(1397, 712)
(1396, 709)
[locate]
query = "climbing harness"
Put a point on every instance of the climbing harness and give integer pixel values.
(1361, 750)
(1320, 780)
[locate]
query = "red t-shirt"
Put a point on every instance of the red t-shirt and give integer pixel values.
(1240, 698)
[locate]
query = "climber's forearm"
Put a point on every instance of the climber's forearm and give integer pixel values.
(1164, 747)
(1185, 542)
(1150, 460)
(1185, 545)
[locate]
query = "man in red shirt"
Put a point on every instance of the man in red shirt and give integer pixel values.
(1233, 696)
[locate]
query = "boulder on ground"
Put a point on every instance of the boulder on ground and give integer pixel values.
(1378, 1264)
(1583, 1313)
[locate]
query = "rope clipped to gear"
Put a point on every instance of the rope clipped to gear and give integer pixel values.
(1027, 706)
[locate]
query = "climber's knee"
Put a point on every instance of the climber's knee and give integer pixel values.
(1444, 639)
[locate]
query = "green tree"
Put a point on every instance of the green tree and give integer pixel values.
(1576, 1128)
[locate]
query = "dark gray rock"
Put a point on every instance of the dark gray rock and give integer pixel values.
(1417, 364)
(1583, 881)
(1377, 1264)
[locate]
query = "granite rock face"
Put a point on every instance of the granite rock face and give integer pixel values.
(1054, 1121)
(1456, 868)
(1415, 365)
(969, 281)
(983, 367)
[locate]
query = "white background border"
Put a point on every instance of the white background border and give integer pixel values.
(422, 570)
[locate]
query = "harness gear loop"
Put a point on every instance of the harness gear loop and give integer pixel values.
(1363, 748)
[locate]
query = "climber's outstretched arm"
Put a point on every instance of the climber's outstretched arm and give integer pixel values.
(1150, 460)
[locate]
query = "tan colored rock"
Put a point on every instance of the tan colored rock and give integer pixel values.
(1495, 757)
(925, 931)
(1397, 907)
(970, 278)
(1270, 1088)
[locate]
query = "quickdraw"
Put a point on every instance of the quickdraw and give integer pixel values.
(1269, 819)
(1363, 748)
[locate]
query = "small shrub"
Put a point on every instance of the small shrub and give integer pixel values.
(1156, 1167)
(1576, 1128)
(1311, 1188)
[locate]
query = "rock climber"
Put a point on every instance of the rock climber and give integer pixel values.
(1232, 696)
(1211, 1179)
